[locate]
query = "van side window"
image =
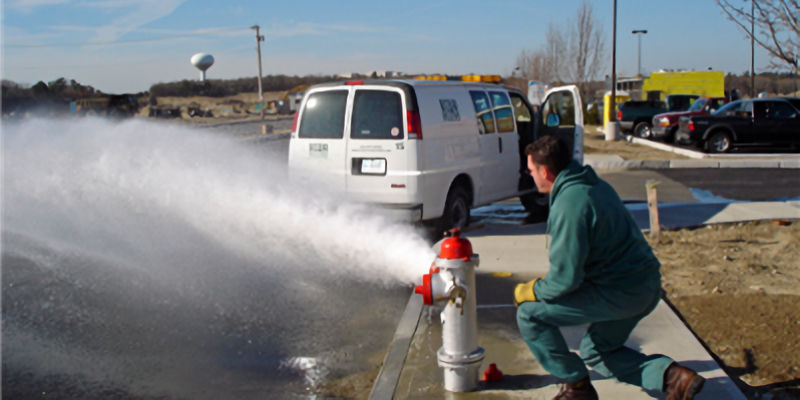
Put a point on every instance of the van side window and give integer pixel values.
(522, 112)
(323, 117)
(502, 111)
(377, 114)
(483, 110)
(562, 104)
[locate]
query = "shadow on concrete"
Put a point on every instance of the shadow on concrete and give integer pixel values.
(520, 382)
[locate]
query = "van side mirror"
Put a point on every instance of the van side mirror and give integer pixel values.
(553, 120)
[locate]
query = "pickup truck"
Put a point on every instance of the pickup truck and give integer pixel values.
(751, 122)
(666, 124)
(637, 116)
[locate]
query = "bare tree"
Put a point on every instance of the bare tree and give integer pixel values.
(573, 55)
(554, 51)
(777, 28)
(530, 63)
(585, 47)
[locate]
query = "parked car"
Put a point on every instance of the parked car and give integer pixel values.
(752, 122)
(636, 116)
(429, 150)
(666, 124)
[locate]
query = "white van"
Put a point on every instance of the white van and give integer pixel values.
(433, 149)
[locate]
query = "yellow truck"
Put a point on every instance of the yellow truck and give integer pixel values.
(701, 83)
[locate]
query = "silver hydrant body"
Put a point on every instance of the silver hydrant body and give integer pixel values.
(451, 282)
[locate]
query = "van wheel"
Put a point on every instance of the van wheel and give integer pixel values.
(456, 210)
(536, 205)
(719, 142)
(642, 130)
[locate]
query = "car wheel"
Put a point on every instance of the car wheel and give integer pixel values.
(670, 138)
(642, 130)
(718, 142)
(456, 209)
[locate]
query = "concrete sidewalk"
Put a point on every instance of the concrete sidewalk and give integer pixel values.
(510, 253)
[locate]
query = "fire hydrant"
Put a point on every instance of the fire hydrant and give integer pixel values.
(451, 281)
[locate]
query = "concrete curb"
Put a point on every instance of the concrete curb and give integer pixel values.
(698, 159)
(604, 164)
(389, 375)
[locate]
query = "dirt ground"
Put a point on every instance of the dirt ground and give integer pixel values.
(239, 107)
(594, 142)
(738, 288)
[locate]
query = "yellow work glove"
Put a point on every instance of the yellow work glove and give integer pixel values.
(524, 292)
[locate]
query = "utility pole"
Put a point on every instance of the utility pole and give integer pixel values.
(259, 39)
(640, 33)
(752, 49)
(611, 130)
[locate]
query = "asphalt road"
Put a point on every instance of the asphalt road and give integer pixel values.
(676, 184)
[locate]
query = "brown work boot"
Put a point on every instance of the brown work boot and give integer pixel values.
(580, 390)
(681, 383)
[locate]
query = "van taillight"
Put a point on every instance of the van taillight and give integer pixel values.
(354, 83)
(414, 126)
(294, 124)
(619, 115)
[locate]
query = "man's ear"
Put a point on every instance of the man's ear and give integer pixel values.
(549, 175)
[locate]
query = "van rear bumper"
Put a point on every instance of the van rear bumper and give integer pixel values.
(401, 212)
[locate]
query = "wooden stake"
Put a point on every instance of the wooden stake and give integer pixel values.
(652, 206)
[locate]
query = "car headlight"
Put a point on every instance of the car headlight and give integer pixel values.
(663, 121)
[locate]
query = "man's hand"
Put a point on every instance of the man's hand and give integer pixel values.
(524, 292)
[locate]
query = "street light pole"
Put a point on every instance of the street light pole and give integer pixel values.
(611, 129)
(640, 32)
(752, 49)
(259, 39)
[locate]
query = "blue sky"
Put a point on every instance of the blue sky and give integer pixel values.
(128, 45)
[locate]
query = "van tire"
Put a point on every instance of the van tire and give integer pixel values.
(456, 209)
(536, 205)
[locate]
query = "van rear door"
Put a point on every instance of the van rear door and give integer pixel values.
(562, 116)
(378, 164)
(319, 145)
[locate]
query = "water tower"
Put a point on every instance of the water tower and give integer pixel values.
(202, 61)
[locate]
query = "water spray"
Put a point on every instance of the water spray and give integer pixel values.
(451, 281)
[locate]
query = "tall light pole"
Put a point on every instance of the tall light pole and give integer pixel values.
(259, 39)
(640, 33)
(752, 49)
(611, 129)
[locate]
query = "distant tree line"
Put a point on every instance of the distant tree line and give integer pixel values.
(54, 94)
(774, 83)
(229, 87)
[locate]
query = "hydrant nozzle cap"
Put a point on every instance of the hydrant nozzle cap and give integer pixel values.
(425, 290)
(455, 247)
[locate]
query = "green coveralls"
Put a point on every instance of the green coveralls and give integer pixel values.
(602, 272)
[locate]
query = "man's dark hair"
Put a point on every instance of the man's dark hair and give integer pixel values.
(550, 152)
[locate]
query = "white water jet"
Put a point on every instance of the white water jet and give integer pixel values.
(143, 192)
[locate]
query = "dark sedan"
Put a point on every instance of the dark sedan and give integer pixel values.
(752, 122)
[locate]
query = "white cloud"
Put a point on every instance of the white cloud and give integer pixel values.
(27, 6)
(142, 13)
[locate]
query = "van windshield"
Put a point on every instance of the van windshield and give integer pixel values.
(323, 116)
(377, 114)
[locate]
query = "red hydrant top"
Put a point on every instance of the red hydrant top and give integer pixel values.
(455, 247)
